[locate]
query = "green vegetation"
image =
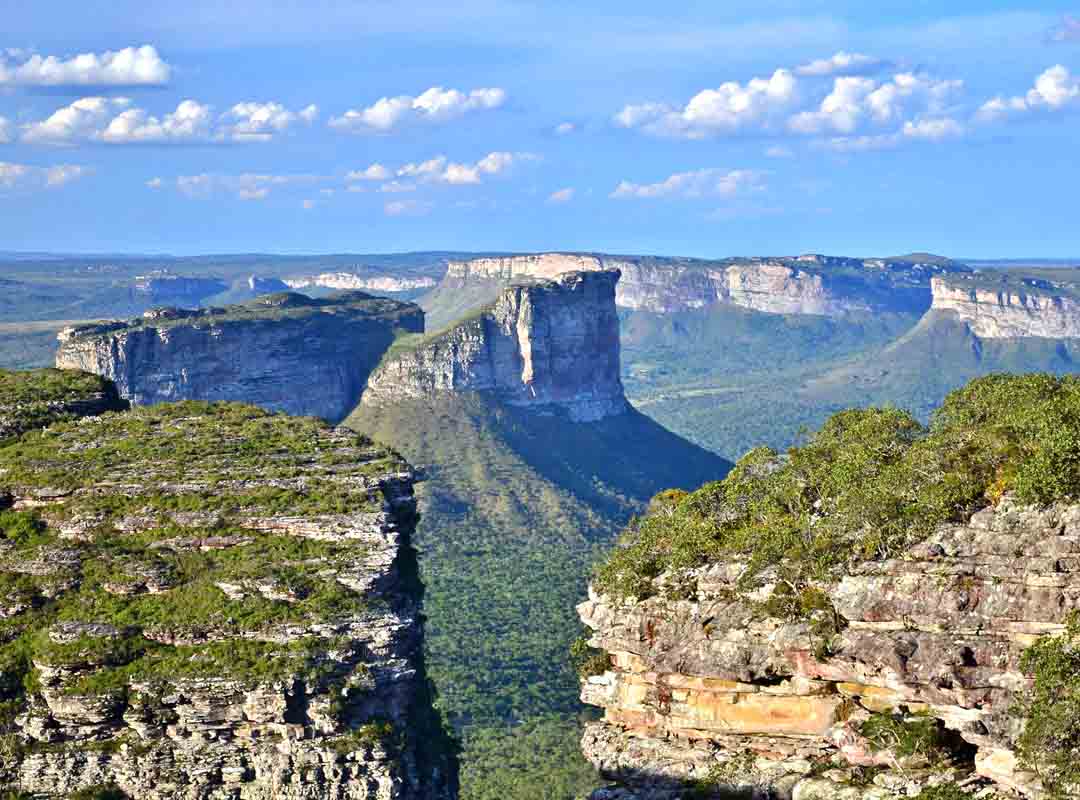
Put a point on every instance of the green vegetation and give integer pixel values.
(943, 791)
(907, 736)
(41, 397)
(1051, 736)
(515, 509)
(866, 485)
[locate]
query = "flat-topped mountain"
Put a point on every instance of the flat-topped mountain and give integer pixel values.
(206, 600)
(1006, 306)
(284, 352)
(808, 284)
(551, 343)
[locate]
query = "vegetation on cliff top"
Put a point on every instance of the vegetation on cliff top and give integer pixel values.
(40, 397)
(866, 485)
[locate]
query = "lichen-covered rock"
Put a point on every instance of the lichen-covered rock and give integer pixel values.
(937, 632)
(37, 398)
(1005, 309)
(548, 344)
(207, 601)
(811, 284)
(283, 352)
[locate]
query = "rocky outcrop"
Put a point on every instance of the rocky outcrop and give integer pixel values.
(812, 284)
(549, 344)
(210, 602)
(38, 398)
(715, 686)
(176, 289)
(1009, 308)
(354, 280)
(284, 352)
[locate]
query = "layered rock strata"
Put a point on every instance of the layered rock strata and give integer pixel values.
(714, 685)
(817, 285)
(284, 352)
(206, 601)
(548, 344)
(355, 280)
(1005, 309)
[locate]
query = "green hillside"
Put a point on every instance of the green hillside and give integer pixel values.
(515, 509)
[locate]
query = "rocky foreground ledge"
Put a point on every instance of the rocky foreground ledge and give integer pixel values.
(208, 601)
(37, 398)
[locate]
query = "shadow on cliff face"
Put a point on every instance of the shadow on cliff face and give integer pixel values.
(645, 785)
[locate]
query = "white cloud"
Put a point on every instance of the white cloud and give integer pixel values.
(841, 63)
(132, 66)
(435, 105)
(5, 131)
(376, 172)
(440, 170)
(561, 196)
(83, 119)
(861, 144)
(248, 186)
(729, 108)
(699, 183)
(392, 187)
(190, 121)
(933, 128)
(401, 208)
(23, 176)
(155, 183)
(779, 151)
(1067, 31)
(260, 121)
(1054, 90)
(855, 102)
(565, 128)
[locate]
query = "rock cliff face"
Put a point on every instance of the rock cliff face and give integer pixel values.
(283, 352)
(176, 289)
(353, 280)
(997, 309)
(207, 601)
(818, 285)
(717, 686)
(546, 344)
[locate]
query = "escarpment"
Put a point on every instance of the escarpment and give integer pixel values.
(1006, 307)
(38, 398)
(548, 344)
(284, 352)
(792, 635)
(811, 284)
(208, 601)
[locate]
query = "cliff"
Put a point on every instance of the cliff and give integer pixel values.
(549, 344)
(176, 289)
(811, 284)
(791, 632)
(271, 352)
(41, 397)
(355, 280)
(1005, 307)
(207, 601)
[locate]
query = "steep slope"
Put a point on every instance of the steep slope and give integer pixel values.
(271, 352)
(518, 500)
(870, 615)
(204, 600)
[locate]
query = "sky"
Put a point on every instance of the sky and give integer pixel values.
(718, 129)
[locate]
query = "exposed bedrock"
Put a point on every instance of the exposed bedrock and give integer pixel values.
(1009, 309)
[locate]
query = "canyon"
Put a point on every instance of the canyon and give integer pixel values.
(271, 351)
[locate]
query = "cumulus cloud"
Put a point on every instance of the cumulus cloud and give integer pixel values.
(23, 176)
(441, 170)
(155, 183)
(857, 101)
(247, 186)
(260, 121)
(376, 172)
(1054, 90)
(115, 121)
(729, 108)
(561, 196)
(841, 63)
(565, 128)
(1068, 30)
(779, 151)
(699, 183)
(132, 66)
(435, 105)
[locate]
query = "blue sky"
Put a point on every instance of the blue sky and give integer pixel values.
(721, 129)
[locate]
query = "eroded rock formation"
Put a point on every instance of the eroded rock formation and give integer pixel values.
(283, 352)
(1005, 309)
(812, 284)
(715, 685)
(545, 344)
(206, 601)
(355, 280)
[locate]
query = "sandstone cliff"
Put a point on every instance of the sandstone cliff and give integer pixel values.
(283, 352)
(354, 280)
(1006, 307)
(207, 601)
(811, 284)
(543, 345)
